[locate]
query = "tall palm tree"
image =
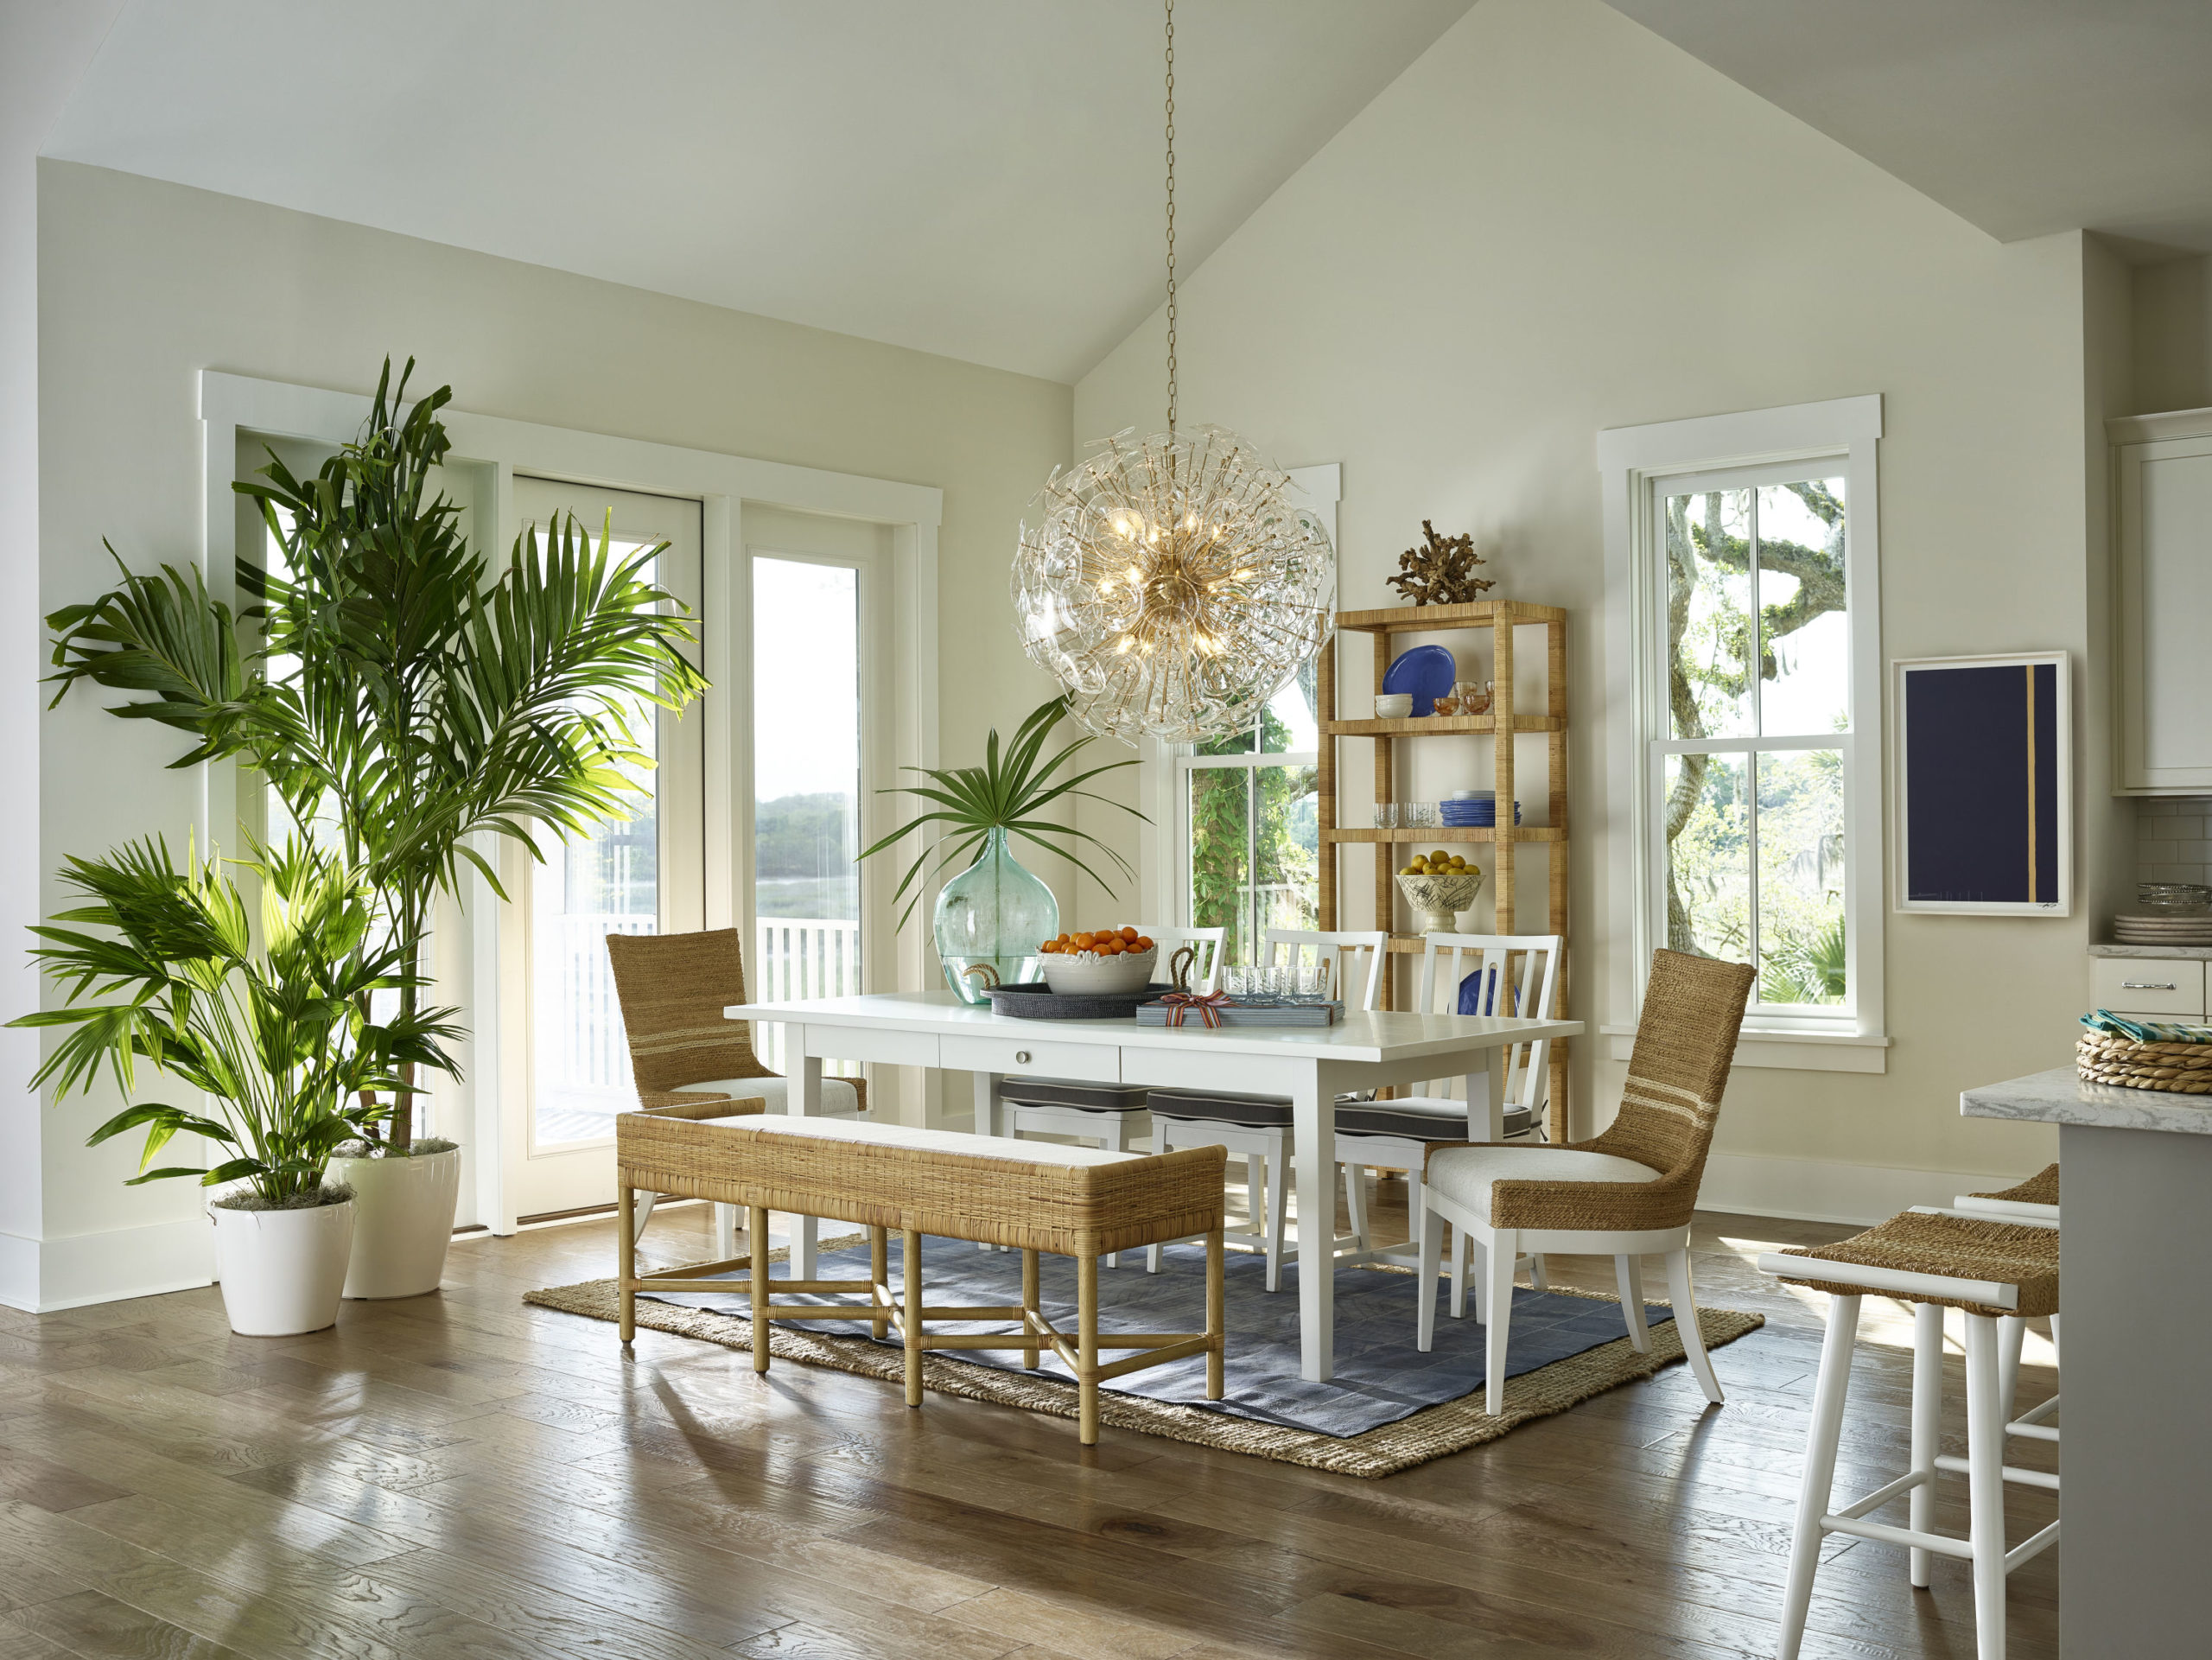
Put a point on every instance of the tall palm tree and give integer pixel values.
(404, 696)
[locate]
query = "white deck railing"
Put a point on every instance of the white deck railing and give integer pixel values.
(800, 957)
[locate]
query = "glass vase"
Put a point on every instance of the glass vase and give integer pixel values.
(993, 914)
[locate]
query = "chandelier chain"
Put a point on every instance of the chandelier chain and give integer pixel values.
(1170, 215)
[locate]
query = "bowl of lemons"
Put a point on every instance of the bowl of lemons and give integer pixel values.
(1438, 884)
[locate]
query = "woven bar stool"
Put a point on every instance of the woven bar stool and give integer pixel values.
(2035, 1199)
(1936, 1259)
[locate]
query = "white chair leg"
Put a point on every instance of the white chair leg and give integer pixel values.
(1813, 1498)
(1255, 1190)
(1679, 1293)
(1536, 1280)
(1356, 1202)
(2012, 1337)
(1425, 1292)
(644, 1204)
(1478, 1277)
(1116, 1140)
(1458, 1270)
(2054, 1344)
(1628, 1271)
(1985, 1486)
(1927, 1426)
(1504, 1251)
(1278, 1209)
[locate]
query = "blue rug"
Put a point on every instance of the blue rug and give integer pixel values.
(1380, 1377)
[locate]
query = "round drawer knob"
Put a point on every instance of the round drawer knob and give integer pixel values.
(1022, 1057)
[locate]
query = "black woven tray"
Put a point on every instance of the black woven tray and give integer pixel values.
(1038, 1001)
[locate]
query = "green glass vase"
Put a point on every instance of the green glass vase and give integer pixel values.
(993, 914)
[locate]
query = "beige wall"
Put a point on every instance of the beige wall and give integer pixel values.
(143, 284)
(2171, 357)
(1555, 222)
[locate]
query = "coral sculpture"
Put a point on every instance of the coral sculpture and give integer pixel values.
(1441, 571)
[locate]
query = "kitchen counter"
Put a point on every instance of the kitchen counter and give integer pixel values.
(2060, 1097)
(2135, 1284)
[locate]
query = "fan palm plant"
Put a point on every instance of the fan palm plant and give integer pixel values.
(273, 1031)
(1005, 795)
(403, 696)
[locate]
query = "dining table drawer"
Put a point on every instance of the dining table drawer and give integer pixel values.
(887, 1048)
(2148, 985)
(967, 1052)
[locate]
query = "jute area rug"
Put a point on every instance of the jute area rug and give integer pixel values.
(1430, 1432)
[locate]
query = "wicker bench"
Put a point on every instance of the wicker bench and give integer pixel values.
(1031, 1196)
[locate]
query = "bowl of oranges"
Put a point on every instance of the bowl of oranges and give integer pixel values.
(1102, 960)
(1437, 885)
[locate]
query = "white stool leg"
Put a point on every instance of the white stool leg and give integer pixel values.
(725, 1228)
(1926, 1425)
(2053, 1343)
(1985, 1486)
(1458, 1270)
(1629, 1271)
(1504, 1252)
(1813, 1498)
(1536, 1280)
(1278, 1207)
(1425, 1330)
(2012, 1337)
(1680, 1293)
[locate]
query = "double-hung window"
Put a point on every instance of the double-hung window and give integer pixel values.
(1754, 700)
(1251, 833)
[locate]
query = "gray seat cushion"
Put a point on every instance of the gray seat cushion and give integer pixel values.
(1073, 1092)
(1420, 1119)
(1221, 1107)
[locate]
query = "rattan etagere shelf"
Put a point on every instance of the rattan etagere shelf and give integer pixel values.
(1502, 618)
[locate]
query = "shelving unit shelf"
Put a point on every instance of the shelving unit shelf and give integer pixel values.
(1502, 724)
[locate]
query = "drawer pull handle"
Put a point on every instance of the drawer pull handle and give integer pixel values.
(1021, 1055)
(2148, 985)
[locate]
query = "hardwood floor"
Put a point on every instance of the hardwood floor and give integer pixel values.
(460, 1475)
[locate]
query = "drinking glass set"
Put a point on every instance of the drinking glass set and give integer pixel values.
(1271, 987)
(1406, 815)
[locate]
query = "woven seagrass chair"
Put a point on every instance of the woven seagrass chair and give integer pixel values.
(673, 989)
(1627, 1192)
(1994, 1270)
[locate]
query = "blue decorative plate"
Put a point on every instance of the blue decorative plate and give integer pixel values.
(1427, 671)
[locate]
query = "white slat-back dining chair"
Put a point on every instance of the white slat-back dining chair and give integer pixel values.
(1258, 1126)
(1461, 974)
(1108, 1114)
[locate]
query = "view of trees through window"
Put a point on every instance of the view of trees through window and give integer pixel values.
(1757, 688)
(1255, 839)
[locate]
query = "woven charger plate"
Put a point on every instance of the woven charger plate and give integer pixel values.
(2177, 1068)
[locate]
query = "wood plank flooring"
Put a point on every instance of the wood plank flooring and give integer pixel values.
(459, 1475)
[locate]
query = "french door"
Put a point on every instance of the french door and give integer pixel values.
(643, 876)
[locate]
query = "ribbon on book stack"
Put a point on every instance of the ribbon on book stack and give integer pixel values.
(1209, 1004)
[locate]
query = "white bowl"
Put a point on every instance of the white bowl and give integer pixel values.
(1394, 705)
(1089, 972)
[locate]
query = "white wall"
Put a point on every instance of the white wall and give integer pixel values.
(2172, 333)
(1554, 223)
(142, 285)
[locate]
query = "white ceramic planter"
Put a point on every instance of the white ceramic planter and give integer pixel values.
(406, 1206)
(281, 1271)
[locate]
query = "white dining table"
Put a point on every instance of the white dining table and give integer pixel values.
(1309, 1065)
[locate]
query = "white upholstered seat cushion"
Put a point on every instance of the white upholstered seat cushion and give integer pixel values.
(956, 1141)
(839, 1099)
(1464, 1174)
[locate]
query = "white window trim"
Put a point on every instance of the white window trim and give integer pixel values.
(1630, 461)
(1164, 885)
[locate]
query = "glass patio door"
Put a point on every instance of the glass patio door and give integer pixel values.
(643, 876)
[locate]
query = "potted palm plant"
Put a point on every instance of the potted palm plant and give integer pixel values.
(410, 701)
(995, 914)
(271, 1031)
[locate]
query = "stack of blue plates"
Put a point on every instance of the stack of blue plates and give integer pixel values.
(1477, 811)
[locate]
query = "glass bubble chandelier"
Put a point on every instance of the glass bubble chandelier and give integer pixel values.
(1170, 583)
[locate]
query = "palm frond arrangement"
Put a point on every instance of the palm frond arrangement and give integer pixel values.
(402, 695)
(176, 984)
(1006, 793)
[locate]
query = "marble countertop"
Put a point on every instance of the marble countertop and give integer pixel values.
(2197, 953)
(2059, 1097)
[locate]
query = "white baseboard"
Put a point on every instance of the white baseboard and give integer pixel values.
(1817, 1190)
(42, 1277)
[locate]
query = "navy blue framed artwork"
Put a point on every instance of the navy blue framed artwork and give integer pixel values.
(1985, 785)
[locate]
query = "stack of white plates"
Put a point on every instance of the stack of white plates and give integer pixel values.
(2163, 928)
